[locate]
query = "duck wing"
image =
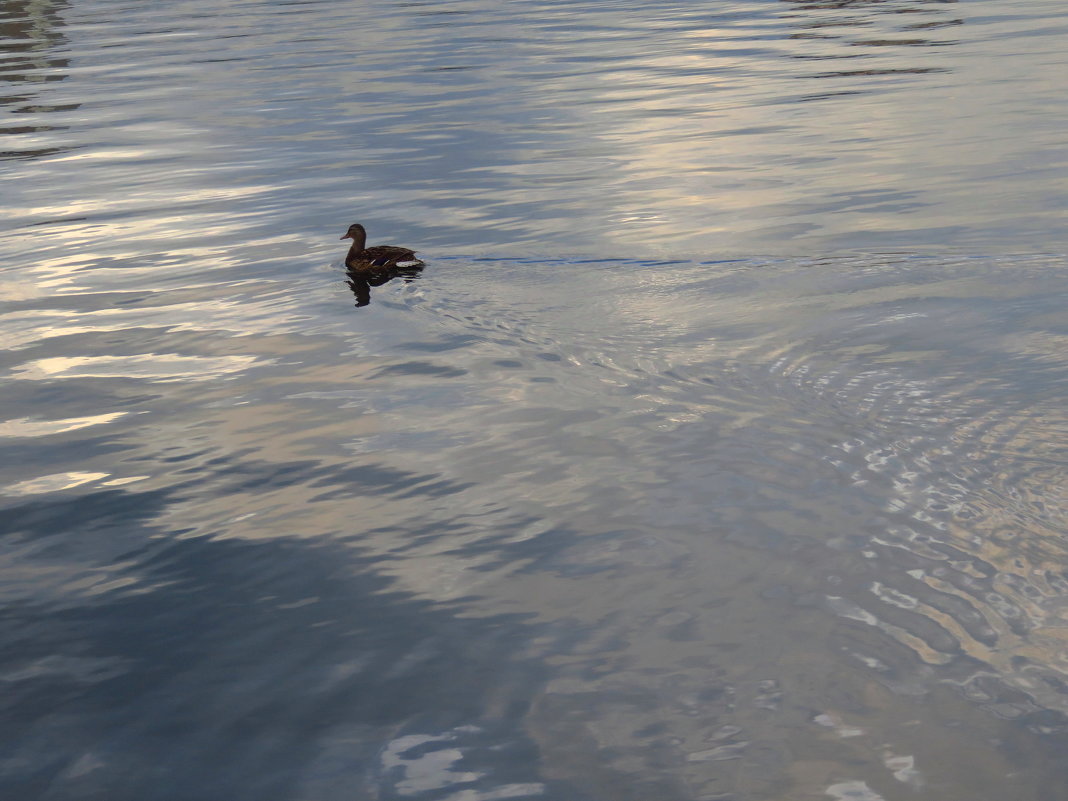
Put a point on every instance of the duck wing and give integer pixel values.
(386, 255)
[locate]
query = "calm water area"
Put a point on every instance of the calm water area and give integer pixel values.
(719, 452)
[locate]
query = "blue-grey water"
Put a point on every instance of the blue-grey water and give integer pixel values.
(719, 452)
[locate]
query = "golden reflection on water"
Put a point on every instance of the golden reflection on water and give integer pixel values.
(147, 366)
(25, 427)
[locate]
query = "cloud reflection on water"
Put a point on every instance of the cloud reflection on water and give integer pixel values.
(626, 529)
(619, 133)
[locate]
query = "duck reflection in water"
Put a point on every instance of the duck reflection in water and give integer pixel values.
(376, 265)
(361, 281)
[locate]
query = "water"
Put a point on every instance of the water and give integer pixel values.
(718, 452)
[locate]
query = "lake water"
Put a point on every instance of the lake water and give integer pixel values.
(719, 453)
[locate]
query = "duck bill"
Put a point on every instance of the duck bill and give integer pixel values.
(347, 236)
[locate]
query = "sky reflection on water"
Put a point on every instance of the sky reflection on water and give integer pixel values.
(756, 128)
(606, 504)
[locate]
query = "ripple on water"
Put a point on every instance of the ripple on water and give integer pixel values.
(533, 525)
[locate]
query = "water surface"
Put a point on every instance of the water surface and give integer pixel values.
(718, 453)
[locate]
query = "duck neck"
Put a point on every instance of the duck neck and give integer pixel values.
(359, 242)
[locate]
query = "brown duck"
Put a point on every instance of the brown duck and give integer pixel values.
(379, 257)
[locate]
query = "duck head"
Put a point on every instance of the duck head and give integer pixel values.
(358, 234)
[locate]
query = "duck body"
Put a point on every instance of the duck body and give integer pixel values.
(361, 258)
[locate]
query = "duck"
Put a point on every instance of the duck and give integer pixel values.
(380, 257)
